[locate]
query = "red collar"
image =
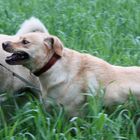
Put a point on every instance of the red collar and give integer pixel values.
(47, 66)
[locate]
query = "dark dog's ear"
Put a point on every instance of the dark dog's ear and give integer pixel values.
(54, 43)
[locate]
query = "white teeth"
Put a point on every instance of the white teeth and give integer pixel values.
(9, 57)
(17, 56)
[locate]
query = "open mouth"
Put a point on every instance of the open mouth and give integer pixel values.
(17, 58)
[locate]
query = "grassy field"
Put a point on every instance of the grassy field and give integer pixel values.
(109, 29)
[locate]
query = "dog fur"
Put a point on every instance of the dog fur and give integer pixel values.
(9, 83)
(75, 73)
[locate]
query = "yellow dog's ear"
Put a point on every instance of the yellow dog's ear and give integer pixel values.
(53, 42)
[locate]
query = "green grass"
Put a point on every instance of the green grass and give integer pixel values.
(109, 29)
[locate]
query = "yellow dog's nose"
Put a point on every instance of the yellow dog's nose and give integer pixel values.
(5, 44)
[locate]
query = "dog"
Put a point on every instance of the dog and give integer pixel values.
(10, 84)
(66, 74)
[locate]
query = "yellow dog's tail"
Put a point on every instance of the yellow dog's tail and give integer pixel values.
(32, 25)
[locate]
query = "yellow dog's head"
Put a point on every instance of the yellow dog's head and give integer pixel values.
(33, 50)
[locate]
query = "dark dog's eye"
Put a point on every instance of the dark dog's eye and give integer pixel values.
(25, 41)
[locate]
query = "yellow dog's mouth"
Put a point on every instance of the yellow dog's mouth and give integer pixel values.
(17, 58)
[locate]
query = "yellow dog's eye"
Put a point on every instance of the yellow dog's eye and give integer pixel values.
(25, 41)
